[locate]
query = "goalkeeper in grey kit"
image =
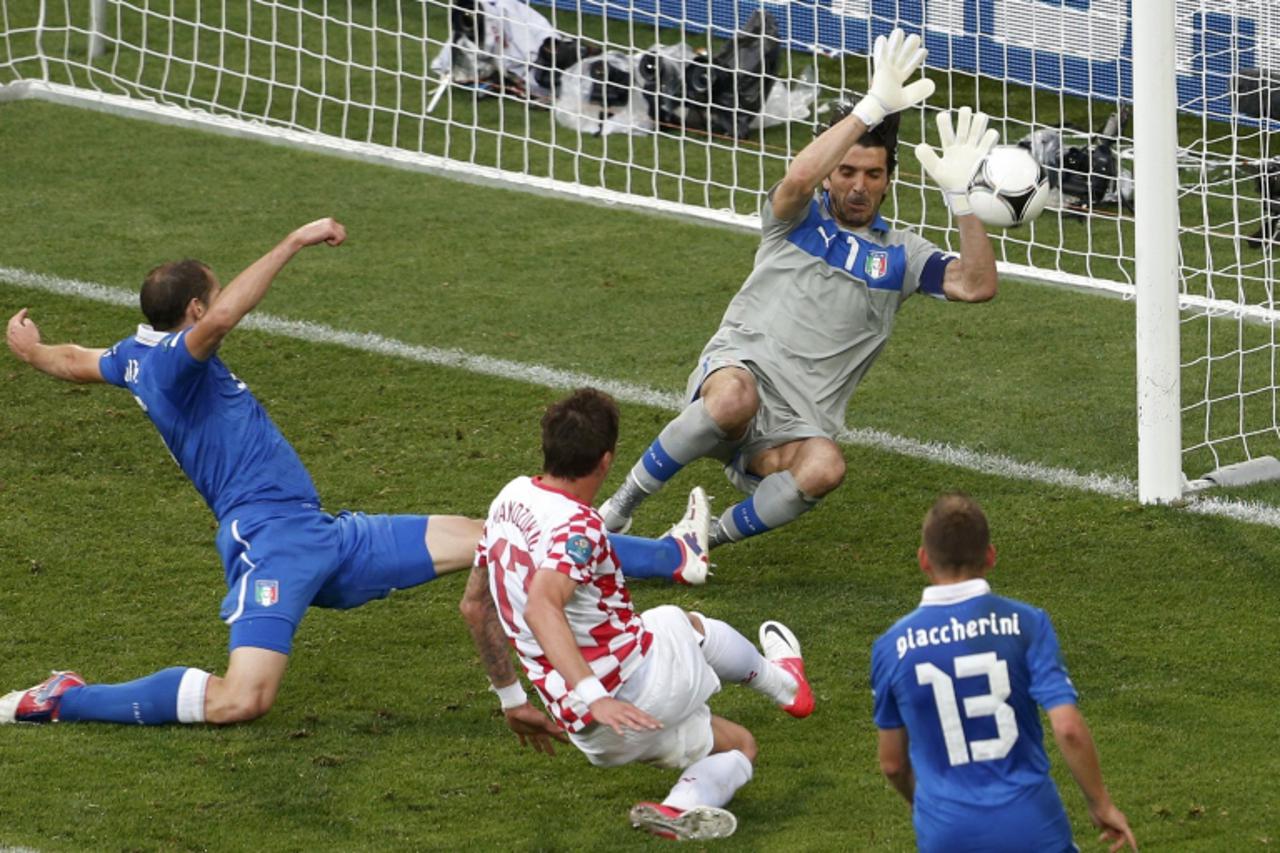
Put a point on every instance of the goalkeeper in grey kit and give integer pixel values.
(771, 387)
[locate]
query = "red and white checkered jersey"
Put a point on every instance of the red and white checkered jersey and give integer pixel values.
(532, 527)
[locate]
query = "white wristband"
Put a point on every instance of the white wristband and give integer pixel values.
(511, 696)
(958, 203)
(590, 690)
(870, 110)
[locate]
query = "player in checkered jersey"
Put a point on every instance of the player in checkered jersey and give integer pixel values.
(625, 686)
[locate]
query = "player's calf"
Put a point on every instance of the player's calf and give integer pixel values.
(691, 435)
(778, 500)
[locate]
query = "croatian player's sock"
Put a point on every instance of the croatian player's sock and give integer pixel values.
(735, 658)
(777, 500)
(711, 781)
(174, 695)
(646, 558)
(690, 435)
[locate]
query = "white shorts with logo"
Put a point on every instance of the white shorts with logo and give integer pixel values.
(673, 685)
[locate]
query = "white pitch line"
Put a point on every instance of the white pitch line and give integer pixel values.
(536, 374)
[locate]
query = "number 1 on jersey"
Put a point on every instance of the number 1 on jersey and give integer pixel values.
(992, 704)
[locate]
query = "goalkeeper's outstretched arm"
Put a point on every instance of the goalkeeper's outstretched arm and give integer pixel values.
(896, 58)
(973, 277)
(964, 146)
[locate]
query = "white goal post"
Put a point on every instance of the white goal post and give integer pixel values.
(1172, 117)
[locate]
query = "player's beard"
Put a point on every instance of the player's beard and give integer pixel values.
(857, 215)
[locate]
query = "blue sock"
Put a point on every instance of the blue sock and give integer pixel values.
(742, 520)
(776, 501)
(150, 701)
(646, 558)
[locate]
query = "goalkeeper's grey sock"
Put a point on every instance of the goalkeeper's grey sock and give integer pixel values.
(690, 435)
(777, 500)
(711, 781)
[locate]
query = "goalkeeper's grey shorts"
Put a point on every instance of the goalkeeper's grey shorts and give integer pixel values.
(775, 423)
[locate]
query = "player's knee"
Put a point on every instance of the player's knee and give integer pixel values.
(747, 746)
(822, 469)
(730, 736)
(695, 619)
(243, 709)
(225, 704)
(831, 473)
(733, 401)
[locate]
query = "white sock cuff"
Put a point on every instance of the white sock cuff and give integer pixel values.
(745, 767)
(191, 696)
(711, 781)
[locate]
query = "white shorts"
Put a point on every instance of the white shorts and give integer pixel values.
(673, 684)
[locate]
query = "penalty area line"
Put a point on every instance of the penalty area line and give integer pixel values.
(996, 464)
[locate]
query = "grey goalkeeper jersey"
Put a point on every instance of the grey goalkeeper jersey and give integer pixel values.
(819, 306)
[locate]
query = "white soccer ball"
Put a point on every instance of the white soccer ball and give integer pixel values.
(1010, 188)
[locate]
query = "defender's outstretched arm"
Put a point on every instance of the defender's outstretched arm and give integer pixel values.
(68, 362)
(247, 289)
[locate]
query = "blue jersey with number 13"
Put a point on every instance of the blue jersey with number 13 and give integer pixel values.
(964, 673)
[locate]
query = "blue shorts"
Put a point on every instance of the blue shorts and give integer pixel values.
(280, 562)
(1034, 823)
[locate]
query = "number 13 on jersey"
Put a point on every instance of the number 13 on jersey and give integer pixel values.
(990, 704)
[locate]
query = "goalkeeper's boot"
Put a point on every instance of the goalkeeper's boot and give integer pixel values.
(39, 704)
(614, 521)
(781, 647)
(699, 823)
(693, 534)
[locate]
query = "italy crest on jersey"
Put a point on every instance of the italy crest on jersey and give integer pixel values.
(266, 593)
(877, 264)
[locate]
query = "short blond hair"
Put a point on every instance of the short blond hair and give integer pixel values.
(955, 534)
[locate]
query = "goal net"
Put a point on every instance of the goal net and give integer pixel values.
(695, 106)
(1228, 63)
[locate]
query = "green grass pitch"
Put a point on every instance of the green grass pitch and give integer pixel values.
(384, 737)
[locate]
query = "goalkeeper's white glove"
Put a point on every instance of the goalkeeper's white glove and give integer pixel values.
(962, 153)
(896, 58)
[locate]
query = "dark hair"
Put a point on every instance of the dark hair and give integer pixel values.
(955, 535)
(169, 288)
(884, 135)
(577, 432)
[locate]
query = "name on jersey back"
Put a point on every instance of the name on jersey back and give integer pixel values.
(515, 513)
(955, 631)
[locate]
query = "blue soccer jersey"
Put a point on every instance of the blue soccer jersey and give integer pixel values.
(964, 673)
(217, 431)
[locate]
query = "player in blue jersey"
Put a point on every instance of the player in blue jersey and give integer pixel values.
(282, 553)
(770, 390)
(957, 683)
